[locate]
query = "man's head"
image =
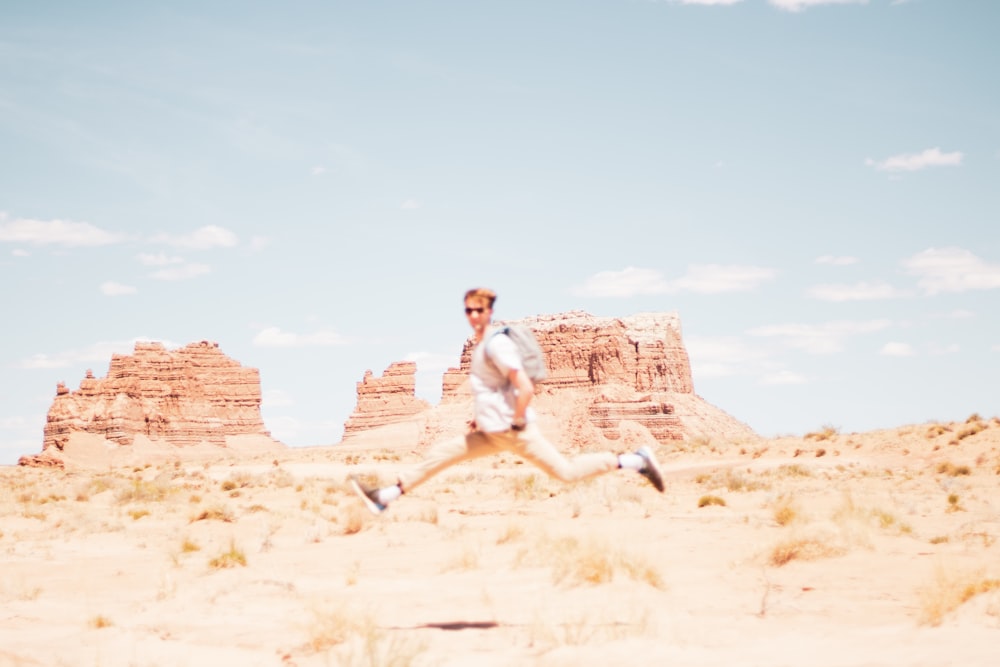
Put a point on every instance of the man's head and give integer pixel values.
(481, 296)
(479, 308)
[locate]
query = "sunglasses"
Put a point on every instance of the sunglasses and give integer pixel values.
(469, 311)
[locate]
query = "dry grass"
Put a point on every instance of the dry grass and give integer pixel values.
(705, 501)
(950, 589)
(826, 432)
(215, 513)
(592, 561)
(352, 639)
(100, 621)
(803, 548)
(590, 629)
(948, 468)
(785, 510)
(230, 558)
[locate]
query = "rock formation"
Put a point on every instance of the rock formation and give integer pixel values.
(195, 395)
(604, 373)
(386, 400)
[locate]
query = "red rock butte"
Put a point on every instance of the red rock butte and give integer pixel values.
(610, 379)
(181, 403)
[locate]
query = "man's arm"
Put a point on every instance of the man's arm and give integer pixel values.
(525, 392)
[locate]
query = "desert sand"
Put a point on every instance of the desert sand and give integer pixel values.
(831, 549)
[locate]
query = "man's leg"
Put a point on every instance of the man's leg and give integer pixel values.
(444, 455)
(440, 456)
(532, 445)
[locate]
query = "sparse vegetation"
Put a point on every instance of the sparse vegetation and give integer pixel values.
(100, 621)
(785, 510)
(949, 590)
(230, 558)
(803, 548)
(705, 501)
(948, 468)
(826, 432)
(216, 513)
(576, 562)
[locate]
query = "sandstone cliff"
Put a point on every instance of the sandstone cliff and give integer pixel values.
(159, 399)
(609, 379)
(385, 400)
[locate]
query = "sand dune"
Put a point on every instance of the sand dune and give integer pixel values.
(831, 549)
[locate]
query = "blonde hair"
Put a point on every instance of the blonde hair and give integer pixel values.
(483, 294)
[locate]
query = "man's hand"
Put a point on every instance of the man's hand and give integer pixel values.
(471, 425)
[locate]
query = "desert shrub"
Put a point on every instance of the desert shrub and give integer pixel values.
(948, 468)
(970, 429)
(949, 590)
(803, 548)
(215, 513)
(785, 510)
(954, 504)
(705, 501)
(143, 491)
(100, 621)
(826, 432)
(230, 558)
(576, 562)
(934, 430)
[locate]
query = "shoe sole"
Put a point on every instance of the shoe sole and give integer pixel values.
(653, 472)
(362, 493)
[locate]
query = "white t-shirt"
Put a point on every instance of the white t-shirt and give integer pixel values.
(492, 394)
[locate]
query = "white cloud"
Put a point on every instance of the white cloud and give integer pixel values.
(951, 270)
(98, 352)
(858, 292)
(627, 282)
(275, 337)
(410, 205)
(204, 238)
(833, 260)
(932, 157)
(894, 349)
(721, 356)
(318, 170)
(715, 278)
(938, 349)
(20, 252)
(181, 272)
(161, 259)
(54, 232)
(799, 5)
(782, 378)
(701, 279)
(957, 314)
(111, 288)
(827, 338)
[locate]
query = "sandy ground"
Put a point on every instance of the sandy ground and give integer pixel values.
(831, 549)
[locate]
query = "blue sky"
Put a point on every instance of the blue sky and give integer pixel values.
(811, 184)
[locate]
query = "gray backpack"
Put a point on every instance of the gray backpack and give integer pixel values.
(532, 357)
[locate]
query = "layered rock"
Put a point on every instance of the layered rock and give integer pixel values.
(643, 351)
(605, 372)
(191, 396)
(385, 400)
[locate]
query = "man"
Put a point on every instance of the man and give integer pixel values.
(503, 420)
